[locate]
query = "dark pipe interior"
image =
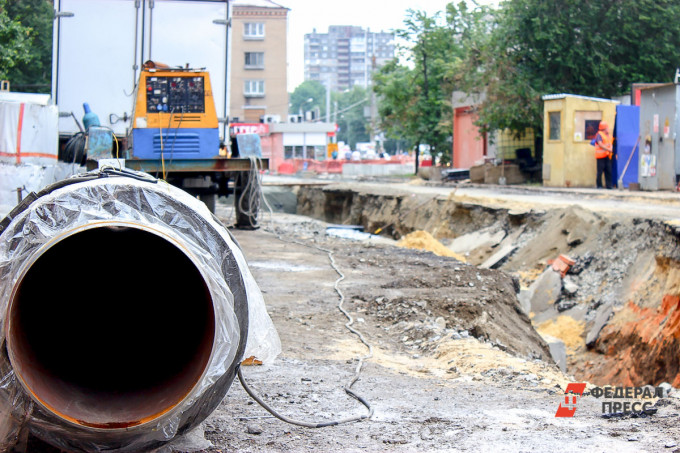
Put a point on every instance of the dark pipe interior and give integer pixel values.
(111, 327)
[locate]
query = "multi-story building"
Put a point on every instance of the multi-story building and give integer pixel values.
(346, 55)
(258, 64)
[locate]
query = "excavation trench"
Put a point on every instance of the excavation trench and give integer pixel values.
(115, 337)
(625, 274)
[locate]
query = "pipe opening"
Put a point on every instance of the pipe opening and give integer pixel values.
(111, 327)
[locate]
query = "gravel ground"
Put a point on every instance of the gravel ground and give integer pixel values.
(459, 388)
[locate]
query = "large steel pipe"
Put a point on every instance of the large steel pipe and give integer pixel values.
(110, 339)
(125, 309)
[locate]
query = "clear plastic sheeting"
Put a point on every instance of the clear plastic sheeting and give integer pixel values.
(29, 178)
(125, 311)
(28, 130)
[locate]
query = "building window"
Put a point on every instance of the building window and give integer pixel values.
(554, 119)
(253, 30)
(254, 60)
(254, 88)
(293, 152)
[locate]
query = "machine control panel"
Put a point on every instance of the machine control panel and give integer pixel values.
(175, 94)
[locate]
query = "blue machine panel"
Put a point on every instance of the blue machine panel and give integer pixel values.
(178, 143)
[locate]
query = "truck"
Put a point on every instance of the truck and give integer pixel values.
(156, 73)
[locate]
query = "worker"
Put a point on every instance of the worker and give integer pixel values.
(604, 151)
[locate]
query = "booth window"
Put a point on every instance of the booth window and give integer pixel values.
(586, 123)
(555, 121)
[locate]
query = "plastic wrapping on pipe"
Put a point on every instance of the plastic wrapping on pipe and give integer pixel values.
(99, 214)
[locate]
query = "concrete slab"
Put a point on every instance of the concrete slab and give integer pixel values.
(577, 312)
(477, 239)
(602, 316)
(545, 291)
(558, 351)
(524, 298)
(497, 258)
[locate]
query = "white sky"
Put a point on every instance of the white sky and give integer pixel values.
(378, 15)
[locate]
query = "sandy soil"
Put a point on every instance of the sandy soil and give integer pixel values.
(448, 372)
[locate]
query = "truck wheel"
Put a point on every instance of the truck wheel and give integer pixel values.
(246, 200)
(210, 199)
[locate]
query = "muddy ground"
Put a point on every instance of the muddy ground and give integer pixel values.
(456, 365)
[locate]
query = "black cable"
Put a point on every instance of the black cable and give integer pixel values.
(269, 409)
(348, 325)
(74, 150)
(172, 148)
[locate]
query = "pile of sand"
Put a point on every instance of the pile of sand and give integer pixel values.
(567, 329)
(454, 358)
(422, 240)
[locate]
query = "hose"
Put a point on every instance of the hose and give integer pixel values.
(74, 150)
(249, 199)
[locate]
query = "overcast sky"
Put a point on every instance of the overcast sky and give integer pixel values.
(378, 15)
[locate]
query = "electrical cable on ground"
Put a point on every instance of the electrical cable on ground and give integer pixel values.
(348, 325)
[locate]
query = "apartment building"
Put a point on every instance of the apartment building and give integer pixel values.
(258, 64)
(346, 55)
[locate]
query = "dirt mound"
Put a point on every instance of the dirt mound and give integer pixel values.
(426, 297)
(560, 232)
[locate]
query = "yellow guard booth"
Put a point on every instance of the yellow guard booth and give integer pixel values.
(569, 123)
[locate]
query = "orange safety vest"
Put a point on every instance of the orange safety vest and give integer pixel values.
(607, 140)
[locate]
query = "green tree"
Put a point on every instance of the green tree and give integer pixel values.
(346, 109)
(33, 73)
(352, 123)
(309, 96)
(415, 97)
(537, 47)
(15, 42)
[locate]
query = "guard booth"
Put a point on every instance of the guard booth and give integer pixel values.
(659, 164)
(570, 122)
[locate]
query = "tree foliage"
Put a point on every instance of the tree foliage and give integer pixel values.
(415, 96)
(346, 109)
(595, 48)
(33, 70)
(15, 42)
(352, 123)
(310, 95)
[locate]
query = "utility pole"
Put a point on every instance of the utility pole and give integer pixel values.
(373, 110)
(328, 99)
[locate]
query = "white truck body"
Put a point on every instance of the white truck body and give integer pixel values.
(100, 46)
